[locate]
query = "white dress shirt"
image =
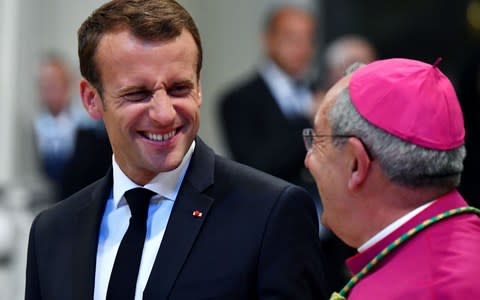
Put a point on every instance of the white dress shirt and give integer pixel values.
(293, 99)
(56, 134)
(116, 219)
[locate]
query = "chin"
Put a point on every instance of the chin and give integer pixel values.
(165, 167)
(169, 163)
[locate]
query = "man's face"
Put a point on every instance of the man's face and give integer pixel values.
(151, 101)
(54, 87)
(329, 164)
(290, 41)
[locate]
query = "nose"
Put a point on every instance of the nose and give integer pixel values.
(162, 109)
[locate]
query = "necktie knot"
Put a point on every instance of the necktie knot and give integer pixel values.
(138, 200)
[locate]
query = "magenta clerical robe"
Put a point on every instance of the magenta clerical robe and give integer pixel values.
(442, 262)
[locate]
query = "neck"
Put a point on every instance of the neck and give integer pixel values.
(391, 204)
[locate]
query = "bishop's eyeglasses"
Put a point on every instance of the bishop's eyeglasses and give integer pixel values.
(309, 135)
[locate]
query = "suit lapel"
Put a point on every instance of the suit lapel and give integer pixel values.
(184, 224)
(86, 230)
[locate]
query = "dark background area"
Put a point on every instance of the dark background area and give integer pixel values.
(424, 30)
(420, 29)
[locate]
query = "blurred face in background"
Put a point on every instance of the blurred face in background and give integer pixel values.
(344, 53)
(290, 40)
(54, 86)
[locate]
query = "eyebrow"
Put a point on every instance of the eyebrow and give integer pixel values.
(142, 87)
(185, 82)
(131, 88)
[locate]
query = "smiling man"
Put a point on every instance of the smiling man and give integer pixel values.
(170, 220)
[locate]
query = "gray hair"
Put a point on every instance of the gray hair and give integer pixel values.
(404, 163)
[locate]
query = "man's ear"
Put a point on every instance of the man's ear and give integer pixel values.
(360, 165)
(91, 100)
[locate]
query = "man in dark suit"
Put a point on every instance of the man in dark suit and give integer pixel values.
(263, 117)
(214, 229)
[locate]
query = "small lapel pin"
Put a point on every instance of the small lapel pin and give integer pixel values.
(197, 214)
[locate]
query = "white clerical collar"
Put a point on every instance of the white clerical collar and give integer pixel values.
(393, 226)
(165, 184)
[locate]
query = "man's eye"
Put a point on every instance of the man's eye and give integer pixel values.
(180, 91)
(137, 96)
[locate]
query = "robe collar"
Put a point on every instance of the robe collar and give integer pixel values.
(451, 200)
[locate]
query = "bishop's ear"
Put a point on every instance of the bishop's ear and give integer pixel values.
(91, 100)
(360, 165)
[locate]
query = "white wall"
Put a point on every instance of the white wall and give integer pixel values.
(8, 48)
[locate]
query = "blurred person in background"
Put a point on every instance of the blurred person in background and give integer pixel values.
(386, 152)
(56, 124)
(344, 51)
(72, 152)
(263, 116)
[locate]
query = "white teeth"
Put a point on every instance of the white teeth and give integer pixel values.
(160, 137)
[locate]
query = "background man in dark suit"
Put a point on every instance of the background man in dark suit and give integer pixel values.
(263, 117)
(214, 229)
(72, 149)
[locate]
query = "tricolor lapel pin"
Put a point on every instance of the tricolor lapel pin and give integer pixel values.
(197, 214)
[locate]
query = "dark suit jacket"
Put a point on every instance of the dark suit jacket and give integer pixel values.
(259, 135)
(257, 239)
(92, 157)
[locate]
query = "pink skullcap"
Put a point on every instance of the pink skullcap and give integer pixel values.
(411, 100)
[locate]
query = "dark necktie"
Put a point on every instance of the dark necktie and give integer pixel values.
(123, 279)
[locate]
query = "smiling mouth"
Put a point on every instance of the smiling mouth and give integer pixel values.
(159, 137)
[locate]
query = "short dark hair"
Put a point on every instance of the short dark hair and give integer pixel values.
(152, 20)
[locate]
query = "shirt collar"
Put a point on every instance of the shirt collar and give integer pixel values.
(65, 114)
(451, 200)
(393, 226)
(292, 97)
(165, 184)
(278, 80)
